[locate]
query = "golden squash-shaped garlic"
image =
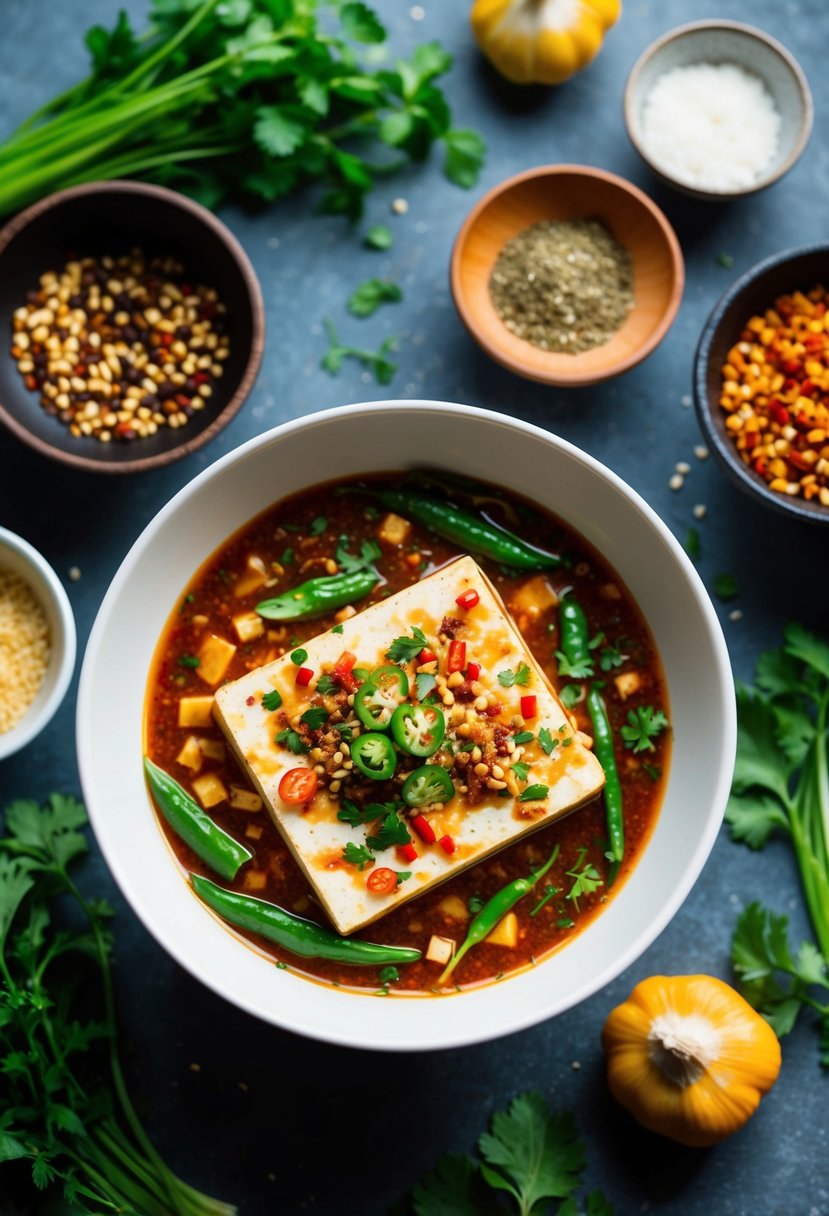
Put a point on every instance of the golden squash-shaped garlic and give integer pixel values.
(542, 41)
(689, 1058)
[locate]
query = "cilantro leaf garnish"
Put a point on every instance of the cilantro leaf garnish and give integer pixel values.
(654, 771)
(378, 237)
(585, 880)
(644, 724)
(326, 684)
(534, 793)
(189, 660)
(293, 741)
(391, 831)
(357, 855)
(315, 717)
(403, 649)
(425, 683)
(611, 656)
(370, 551)
(546, 740)
(367, 298)
(272, 700)
(361, 23)
(573, 671)
(570, 695)
(521, 769)
(298, 657)
(318, 526)
(773, 978)
(377, 362)
(726, 587)
(336, 629)
(349, 812)
(523, 736)
(521, 675)
(692, 545)
(345, 732)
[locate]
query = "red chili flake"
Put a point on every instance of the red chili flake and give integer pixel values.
(529, 706)
(250, 701)
(447, 844)
(427, 656)
(807, 388)
(181, 400)
(30, 382)
(423, 828)
(304, 676)
(468, 599)
(165, 339)
(456, 659)
(201, 377)
(473, 671)
(791, 367)
(407, 851)
(342, 671)
(779, 413)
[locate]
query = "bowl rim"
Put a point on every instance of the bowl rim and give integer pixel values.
(63, 648)
(576, 379)
(395, 1038)
(724, 451)
(19, 222)
(750, 31)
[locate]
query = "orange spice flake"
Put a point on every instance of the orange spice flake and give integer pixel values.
(775, 391)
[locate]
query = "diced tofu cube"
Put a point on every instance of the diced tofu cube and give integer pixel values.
(345, 614)
(394, 529)
(191, 755)
(253, 831)
(213, 749)
(215, 657)
(244, 800)
(440, 949)
(254, 880)
(505, 932)
(533, 597)
(209, 790)
(248, 625)
(454, 907)
(627, 684)
(255, 576)
(195, 711)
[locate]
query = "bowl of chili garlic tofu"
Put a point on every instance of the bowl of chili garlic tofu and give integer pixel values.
(395, 730)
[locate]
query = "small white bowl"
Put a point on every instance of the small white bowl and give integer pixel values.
(358, 439)
(18, 556)
(719, 42)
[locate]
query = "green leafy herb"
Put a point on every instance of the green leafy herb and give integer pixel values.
(378, 237)
(521, 769)
(345, 732)
(402, 649)
(547, 741)
(425, 683)
(692, 545)
(389, 975)
(367, 298)
(725, 260)
(726, 587)
(564, 922)
(287, 558)
(781, 787)
(611, 656)
(326, 684)
(570, 695)
(644, 724)
(402, 876)
(315, 717)
(533, 793)
(358, 855)
(529, 1157)
(272, 700)
(65, 1107)
(377, 362)
(586, 879)
(392, 831)
(318, 526)
(654, 771)
(189, 660)
(523, 736)
(474, 904)
(573, 671)
(369, 553)
(521, 676)
(349, 812)
(298, 657)
(334, 629)
(549, 892)
(293, 741)
(251, 97)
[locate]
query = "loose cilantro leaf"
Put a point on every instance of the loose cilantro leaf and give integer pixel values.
(725, 260)
(298, 657)
(546, 740)
(611, 656)
(532, 1154)
(523, 736)
(403, 649)
(318, 526)
(357, 855)
(573, 671)
(345, 732)
(392, 831)
(521, 676)
(644, 724)
(189, 660)
(520, 769)
(272, 700)
(570, 695)
(752, 817)
(726, 587)
(534, 793)
(293, 741)
(349, 812)
(377, 362)
(367, 298)
(425, 683)
(334, 629)
(549, 892)
(315, 717)
(773, 979)
(692, 545)
(586, 879)
(654, 771)
(326, 684)
(361, 23)
(465, 155)
(369, 553)
(378, 237)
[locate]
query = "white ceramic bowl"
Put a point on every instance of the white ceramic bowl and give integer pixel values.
(352, 440)
(22, 559)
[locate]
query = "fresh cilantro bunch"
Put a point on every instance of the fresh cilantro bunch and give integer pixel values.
(529, 1157)
(781, 786)
(82, 1138)
(250, 97)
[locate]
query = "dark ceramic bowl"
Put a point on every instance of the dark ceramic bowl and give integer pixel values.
(756, 291)
(113, 218)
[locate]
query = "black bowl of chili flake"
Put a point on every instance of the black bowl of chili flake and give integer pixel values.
(133, 326)
(761, 382)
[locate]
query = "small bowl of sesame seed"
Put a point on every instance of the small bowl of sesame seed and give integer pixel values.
(133, 326)
(761, 382)
(37, 643)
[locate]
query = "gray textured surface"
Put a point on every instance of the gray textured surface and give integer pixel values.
(279, 1124)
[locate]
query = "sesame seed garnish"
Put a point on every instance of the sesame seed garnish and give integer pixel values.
(701, 452)
(73, 574)
(676, 482)
(700, 510)
(735, 615)
(683, 467)
(400, 206)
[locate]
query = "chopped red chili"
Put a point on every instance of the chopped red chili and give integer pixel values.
(427, 656)
(456, 659)
(342, 671)
(468, 599)
(473, 671)
(529, 706)
(304, 676)
(447, 844)
(407, 851)
(423, 828)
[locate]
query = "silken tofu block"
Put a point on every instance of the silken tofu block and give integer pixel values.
(477, 826)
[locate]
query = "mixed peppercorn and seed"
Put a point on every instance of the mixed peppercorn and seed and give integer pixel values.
(118, 347)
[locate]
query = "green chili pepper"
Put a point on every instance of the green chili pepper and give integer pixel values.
(472, 532)
(495, 909)
(301, 937)
(379, 696)
(374, 756)
(187, 819)
(574, 633)
(318, 596)
(429, 783)
(418, 729)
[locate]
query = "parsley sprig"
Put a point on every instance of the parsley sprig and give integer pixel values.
(644, 724)
(377, 362)
(83, 1142)
(520, 676)
(403, 650)
(781, 787)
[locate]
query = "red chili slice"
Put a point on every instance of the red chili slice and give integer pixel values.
(407, 851)
(427, 656)
(528, 706)
(298, 785)
(304, 676)
(381, 881)
(468, 599)
(447, 844)
(423, 828)
(342, 671)
(473, 671)
(456, 659)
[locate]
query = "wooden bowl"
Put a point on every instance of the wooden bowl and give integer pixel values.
(567, 192)
(102, 218)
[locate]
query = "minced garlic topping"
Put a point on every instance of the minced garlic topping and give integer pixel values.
(24, 648)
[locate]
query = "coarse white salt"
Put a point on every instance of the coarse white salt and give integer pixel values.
(712, 126)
